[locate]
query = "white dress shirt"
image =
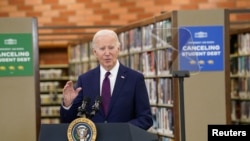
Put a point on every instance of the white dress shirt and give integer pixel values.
(112, 76)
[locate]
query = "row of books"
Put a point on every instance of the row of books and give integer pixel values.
(51, 98)
(164, 61)
(145, 37)
(240, 50)
(51, 86)
(241, 111)
(51, 73)
(240, 65)
(50, 121)
(151, 88)
(76, 69)
(145, 62)
(244, 43)
(165, 93)
(148, 62)
(151, 61)
(50, 111)
(240, 88)
(79, 52)
(163, 121)
(161, 92)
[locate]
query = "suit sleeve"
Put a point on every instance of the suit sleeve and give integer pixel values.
(142, 106)
(68, 115)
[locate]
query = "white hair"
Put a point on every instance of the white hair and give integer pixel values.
(105, 32)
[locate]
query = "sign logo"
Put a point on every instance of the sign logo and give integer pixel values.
(10, 41)
(81, 129)
(200, 34)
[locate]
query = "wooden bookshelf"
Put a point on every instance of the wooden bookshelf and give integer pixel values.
(54, 73)
(239, 71)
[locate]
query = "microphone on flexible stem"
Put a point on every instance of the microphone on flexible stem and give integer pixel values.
(96, 106)
(82, 109)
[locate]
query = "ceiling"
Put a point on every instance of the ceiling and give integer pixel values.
(63, 35)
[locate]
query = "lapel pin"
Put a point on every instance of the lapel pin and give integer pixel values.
(122, 77)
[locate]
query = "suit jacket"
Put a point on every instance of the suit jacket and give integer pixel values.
(129, 102)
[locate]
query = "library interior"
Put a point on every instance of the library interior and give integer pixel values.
(193, 55)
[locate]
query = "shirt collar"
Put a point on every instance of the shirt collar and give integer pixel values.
(113, 71)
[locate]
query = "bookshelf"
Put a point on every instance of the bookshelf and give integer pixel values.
(143, 51)
(239, 68)
(150, 46)
(54, 73)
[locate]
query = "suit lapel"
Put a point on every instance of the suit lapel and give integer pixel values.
(96, 81)
(95, 85)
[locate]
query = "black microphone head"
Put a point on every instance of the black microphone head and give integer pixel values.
(82, 112)
(96, 106)
(86, 99)
(98, 98)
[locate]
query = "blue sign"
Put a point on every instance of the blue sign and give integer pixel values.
(201, 48)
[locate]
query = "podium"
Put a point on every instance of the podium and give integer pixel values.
(105, 132)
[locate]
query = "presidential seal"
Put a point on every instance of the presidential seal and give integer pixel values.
(81, 129)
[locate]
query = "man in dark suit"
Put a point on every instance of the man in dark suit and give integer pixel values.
(129, 97)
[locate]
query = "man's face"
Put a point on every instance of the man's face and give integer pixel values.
(106, 51)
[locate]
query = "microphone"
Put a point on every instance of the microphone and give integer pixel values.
(82, 109)
(96, 106)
